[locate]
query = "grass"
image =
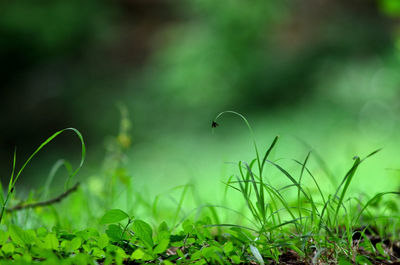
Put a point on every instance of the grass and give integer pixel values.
(290, 223)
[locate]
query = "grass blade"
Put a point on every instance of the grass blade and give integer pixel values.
(347, 180)
(14, 178)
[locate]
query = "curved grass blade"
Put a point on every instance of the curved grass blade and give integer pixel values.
(376, 197)
(315, 181)
(14, 178)
(269, 151)
(250, 130)
(347, 180)
(48, 140)
(300, 178)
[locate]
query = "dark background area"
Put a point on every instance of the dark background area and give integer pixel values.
(175, 64)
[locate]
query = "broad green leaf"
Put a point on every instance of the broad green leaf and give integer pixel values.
(201, 262)
(86, 247)
(86, 234)
(144, 232)
(163, 227)
(103, 241)
(228, 247)
(82, 258)
(76, 243)
(114, 232)
(137, 254)
(162, 246)
(21, 237)
(98, 253)
(47, 254)
(163, 235)
(51, 241)
(113, 216)
(236, 259)
(3, 237)
(8, 248)
(212, 253)
(180, 253)
(187, 226)
(41, 232)
(27, 258)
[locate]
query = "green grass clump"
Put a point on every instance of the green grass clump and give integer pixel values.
(289, 223)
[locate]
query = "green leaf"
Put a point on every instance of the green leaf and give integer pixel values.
(103, 241)
(380, 249)
(235, 259)
(162, 246)
(144, 232)
(137, 254)
(3, 237)
(344, 261)
(213, 253)
(113, 216)
(41, 232)
(8, 248)
(228, 247)
(163, 227)
(114, 232)
(197, 255)
(51, 241)
(20, 237)
(76, 243)
(98, 253)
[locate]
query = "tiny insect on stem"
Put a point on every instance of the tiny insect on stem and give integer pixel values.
(214, 124)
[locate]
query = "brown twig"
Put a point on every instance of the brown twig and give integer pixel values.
(44, 203)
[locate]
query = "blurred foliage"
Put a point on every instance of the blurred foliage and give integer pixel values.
(260, 54)
(211, 59)
(174, 65)
(390, 7)
(33, 31)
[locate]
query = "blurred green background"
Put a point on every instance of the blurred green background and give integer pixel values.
(324, 75)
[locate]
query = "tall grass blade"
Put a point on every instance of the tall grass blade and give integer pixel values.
(83, 152)
(347, 180)
(300, 178)
(293, 181)
(260, 203)
(269, 151)
(313, 178)
(14, 178)
(247, 199)
(180, 203)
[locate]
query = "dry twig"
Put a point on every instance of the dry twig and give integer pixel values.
(44, 203)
